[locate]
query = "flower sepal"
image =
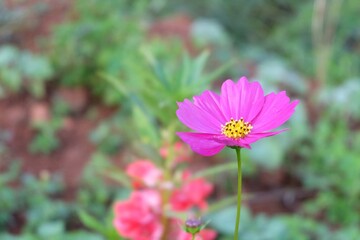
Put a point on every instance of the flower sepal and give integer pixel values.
(194, 226)
(234, 147)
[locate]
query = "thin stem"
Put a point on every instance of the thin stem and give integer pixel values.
(236, 233)
(165, 193)
(193, 237)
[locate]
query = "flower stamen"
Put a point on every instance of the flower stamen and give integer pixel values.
(236, 129)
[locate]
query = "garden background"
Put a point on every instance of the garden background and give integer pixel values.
(89, 86)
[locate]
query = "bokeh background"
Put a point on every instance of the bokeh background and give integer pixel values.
(87, 86)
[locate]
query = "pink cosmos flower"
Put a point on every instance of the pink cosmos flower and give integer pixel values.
(144, 173)
(191, 194)
(239, 116)
(138, 217)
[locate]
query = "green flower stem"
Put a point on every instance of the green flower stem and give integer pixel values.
(236, 233)
(193, 237)
(165, 193)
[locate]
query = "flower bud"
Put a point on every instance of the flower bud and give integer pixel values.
(193, 226)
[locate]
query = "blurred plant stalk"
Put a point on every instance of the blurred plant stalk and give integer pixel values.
(325, 19)
(166, 193)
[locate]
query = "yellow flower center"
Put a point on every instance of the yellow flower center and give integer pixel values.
(236, 129)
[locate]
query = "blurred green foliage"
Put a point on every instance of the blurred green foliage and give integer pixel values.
(103, 36)
(333, 161)
(293, 41)
(165, 81)
(246, 21)
(20, 70)
(32, 201)
(284, 28)
(280, 227)
(38, 210)
(109, 136)
(46, 140)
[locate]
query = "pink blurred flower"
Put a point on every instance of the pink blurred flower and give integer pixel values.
(239, 116)
(191, 194)
(181, 152)
(144, 173)
(138, 217)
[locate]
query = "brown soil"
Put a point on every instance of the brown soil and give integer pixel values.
(18, 113)
(68, 160)
(36, 21)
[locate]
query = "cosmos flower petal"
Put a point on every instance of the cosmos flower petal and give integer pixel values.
(197, 118)
(230, 99)
(251, 99)
(244, 99)
(277, 110)
(251, 138)
(202, 143)
(210, 102)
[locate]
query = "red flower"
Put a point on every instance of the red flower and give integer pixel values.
(144, 173)
(192, 193)
(138, 217)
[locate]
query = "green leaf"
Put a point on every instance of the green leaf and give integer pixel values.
(160, 74)
(11, 173)
(148, 132)
(115, 83)
(211, 171)
(91, 222)
(82, 235)
(51, 229)
(119, 176)
(185, 73)
(198, 66)
(223, 221)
